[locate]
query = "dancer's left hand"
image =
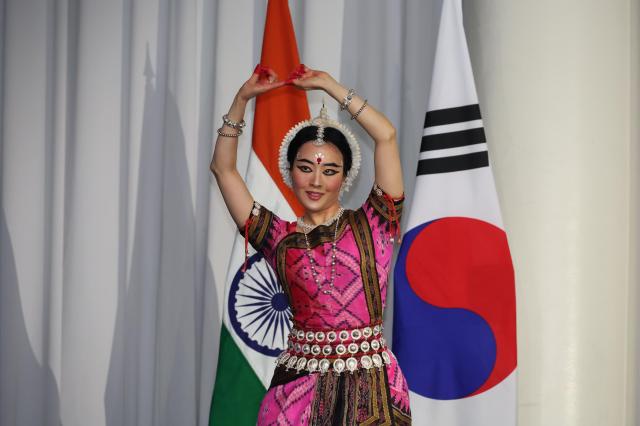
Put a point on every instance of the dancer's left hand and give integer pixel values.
(305, 78)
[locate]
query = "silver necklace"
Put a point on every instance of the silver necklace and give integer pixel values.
(310, 227)
(312, 260)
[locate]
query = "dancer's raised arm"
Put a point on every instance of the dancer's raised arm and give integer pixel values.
(223, 165)
(388, 170)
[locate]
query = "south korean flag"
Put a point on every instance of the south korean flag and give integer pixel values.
(454, 303)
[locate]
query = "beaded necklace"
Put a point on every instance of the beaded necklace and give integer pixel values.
(306, 229)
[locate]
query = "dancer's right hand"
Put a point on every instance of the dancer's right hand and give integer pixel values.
(262, 80)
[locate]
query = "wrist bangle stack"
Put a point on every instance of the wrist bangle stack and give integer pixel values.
(347, 99)
(354, 116)
(234, 125)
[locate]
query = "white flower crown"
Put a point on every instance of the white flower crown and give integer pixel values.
(322, 121)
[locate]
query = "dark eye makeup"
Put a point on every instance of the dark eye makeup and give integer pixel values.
(326, 172)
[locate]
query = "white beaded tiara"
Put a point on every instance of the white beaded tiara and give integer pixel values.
(322, 121)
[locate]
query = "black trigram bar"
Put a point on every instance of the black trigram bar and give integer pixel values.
(440, 117)
(454, 163)
(453, 139)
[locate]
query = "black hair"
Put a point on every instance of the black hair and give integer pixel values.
(331, 135)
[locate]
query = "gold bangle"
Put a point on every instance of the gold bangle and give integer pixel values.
(354, 116)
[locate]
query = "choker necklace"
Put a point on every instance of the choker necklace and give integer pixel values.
(312, 260)
(310, 227)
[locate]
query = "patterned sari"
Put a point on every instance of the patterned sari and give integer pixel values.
(371, 396)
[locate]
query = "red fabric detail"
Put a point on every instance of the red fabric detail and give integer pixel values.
(394, 222)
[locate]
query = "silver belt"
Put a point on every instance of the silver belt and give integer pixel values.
(335, 350)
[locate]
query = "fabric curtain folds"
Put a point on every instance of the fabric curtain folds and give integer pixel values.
(114, 239)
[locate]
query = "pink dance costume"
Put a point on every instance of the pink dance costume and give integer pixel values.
(337, 369)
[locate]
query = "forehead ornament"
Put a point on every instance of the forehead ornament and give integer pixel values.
(322, 121)
(320, 134)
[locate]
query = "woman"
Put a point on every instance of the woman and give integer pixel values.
(332, 263)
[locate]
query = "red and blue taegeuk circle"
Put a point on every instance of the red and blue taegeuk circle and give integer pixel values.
(454, 330)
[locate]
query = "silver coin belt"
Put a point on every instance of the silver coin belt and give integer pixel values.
(335, 350)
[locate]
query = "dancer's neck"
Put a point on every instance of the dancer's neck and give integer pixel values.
(319, 217)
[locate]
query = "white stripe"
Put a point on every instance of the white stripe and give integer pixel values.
(449, 152)
(453, 127)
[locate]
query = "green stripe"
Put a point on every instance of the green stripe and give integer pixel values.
(238, 392)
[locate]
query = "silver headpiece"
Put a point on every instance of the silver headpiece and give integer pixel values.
(322, 121)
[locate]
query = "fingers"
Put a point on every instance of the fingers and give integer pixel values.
(265, 87)
(271, 75)
(304, 71)
(261, 70)
(307, 75)
(265, 79)
(263, 73)
(253, 80)
(301, 69)
(277, 84)
(297, 73)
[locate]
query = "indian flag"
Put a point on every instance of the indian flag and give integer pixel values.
(256, 320)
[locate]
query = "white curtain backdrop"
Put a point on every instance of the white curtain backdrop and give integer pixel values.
(114, 240)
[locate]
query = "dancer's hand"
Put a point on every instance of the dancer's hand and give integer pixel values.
(262, 80)
(305, 78)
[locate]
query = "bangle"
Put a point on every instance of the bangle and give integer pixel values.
(229, 135)
(354, 116)
(347, 99)
(235, 125)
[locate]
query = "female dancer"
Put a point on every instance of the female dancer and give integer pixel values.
(332, 263)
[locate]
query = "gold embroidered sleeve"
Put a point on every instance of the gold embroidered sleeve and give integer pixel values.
(382, 204)
(258, 225)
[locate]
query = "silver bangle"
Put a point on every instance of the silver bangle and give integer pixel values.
(347, 99)
(229, 135)
(236, 125)
(354, 116)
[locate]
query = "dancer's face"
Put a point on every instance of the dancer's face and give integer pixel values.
(317, 175)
